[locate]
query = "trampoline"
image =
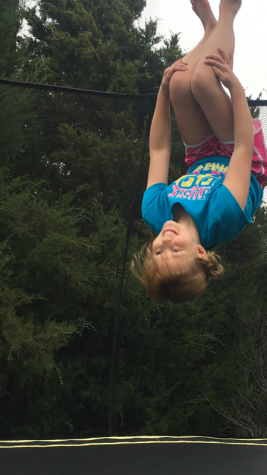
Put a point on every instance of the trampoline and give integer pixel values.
(135, 456)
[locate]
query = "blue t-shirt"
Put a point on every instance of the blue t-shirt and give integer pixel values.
(215, 211)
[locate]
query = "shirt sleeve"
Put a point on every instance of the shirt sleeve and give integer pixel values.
(253, 202)
(230, 210)
(156, 208)
(226, 219)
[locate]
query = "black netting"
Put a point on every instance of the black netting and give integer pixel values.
(83, 351)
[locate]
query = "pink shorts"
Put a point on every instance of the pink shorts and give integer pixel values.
(212, 146)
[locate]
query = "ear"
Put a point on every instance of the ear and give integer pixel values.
(201, 252)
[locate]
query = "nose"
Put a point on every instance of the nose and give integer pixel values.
(166, 237)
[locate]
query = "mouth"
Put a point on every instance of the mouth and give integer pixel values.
(170, 231)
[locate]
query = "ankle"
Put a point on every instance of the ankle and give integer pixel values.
(226, 13)
(229, 7)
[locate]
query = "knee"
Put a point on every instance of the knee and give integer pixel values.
(180, 84)
(202, 81)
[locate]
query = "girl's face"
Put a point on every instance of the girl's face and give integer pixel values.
(176, 246)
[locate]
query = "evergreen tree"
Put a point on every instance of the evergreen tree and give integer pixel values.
(95, 45)
(10, 23)
(67, 172)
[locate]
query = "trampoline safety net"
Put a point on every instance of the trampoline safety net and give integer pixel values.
(84, 352)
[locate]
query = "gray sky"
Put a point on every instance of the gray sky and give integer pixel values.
(250, 61)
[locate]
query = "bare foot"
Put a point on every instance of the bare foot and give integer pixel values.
(203, 10)
(232, 5)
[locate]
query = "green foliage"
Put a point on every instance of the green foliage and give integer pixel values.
(15, 57)
(42, 251)
(68, 167)
(10, 23)
(95, 45)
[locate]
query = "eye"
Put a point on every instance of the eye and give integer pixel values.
(175, 250)
(157, 253)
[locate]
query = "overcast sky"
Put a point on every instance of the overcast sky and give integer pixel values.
(250, 61)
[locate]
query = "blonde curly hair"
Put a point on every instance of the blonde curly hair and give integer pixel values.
(162, 284)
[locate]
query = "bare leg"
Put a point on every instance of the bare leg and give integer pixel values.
(208, 20)
(191, 120)
(213, 100)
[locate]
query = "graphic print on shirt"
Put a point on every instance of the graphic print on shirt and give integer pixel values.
(198, 184)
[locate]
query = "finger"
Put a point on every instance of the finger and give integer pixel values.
(216, 57)
(173, 69)
(218, 73)
(180, 65)
(179, 68)
(223, 54)
(217, 64)
(213, 62)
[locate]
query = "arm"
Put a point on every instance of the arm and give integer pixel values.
(160, 133)
(160, 142)
(238, 175)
